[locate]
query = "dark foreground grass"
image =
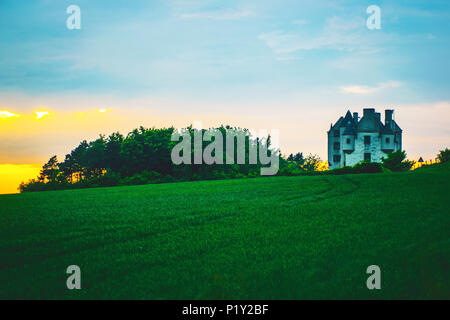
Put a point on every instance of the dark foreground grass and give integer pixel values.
(268, 238)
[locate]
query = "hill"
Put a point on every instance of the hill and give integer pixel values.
(267, 238)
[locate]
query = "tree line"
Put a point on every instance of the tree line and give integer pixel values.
(144, 156)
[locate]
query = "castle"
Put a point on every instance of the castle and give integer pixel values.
(351, 140)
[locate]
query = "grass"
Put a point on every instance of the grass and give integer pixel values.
(267, 238)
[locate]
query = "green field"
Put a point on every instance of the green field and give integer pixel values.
(264, 238)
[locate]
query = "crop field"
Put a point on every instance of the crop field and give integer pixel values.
(264, 238)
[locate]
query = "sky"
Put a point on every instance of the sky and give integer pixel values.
(294, 66)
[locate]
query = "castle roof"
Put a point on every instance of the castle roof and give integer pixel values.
(370, 122)
(396, 127)
(349, 129)
(342, 121)
(386, 130)
(348, 119)
(338, 123)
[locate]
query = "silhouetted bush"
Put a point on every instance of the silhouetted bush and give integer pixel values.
(395, 161)
(444, 155)
(343, 170)
(360, 167)
(367, 167)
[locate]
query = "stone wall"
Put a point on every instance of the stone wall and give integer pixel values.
(360, 148)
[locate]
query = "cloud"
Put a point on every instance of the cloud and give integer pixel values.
(335, 23)
(281, 42)
(357, 89)
(218, 15)
(300, 22)
(337, 33)
(285, 59)
(7, 114)
(41, 114)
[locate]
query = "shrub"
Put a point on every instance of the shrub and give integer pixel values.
(168, 178)
(135, 179)
(444, 155)
(343, 170)
(290, 169)
(395, 161)
(367, 167)
(110, 179)
(360, 167)
(151, 176)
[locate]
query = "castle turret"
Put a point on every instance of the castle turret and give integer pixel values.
(348, 138)
(387, 134)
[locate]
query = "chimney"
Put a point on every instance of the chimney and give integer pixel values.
(388, 118)
(378, 116)
(368, 111)
(355, 117)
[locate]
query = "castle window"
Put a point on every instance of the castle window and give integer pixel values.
(336, 158)
(388, 140)
(336, 133)
(367, 157)
(336, 146)
(367, 140)
(348, 140)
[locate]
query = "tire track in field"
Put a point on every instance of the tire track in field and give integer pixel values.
(184, 222)
(187, 219)
(325, 194)
(202, 251)
(178, 222)
(329, 188)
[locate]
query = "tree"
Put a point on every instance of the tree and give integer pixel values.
(49, 170)
(311, 162)
(298, 157)
(144, 156)
(444, 155)
(78, 157)
(147, 149)
(95, 157)
(395, 161)
(66, 167)
(112, 152)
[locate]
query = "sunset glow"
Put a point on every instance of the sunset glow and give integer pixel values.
(7, 114)
(292, 68)
(11, 175)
